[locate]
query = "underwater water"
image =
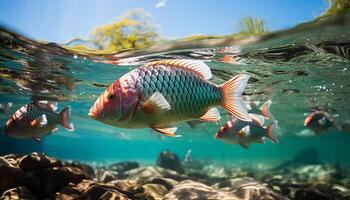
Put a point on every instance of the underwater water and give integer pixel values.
(301, 69)
(297, 70)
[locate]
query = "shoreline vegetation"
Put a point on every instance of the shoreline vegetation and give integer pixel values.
(135, 34)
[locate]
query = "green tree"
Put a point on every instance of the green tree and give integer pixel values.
(134, 30)
(337, 7)
(252, 26)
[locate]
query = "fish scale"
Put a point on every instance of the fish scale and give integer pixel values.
(181, 88)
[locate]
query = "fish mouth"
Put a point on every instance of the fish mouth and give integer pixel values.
(92, 113)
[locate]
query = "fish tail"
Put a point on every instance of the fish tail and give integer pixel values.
(65, 119)
(232, 97)
(269, 131)
(265, 110)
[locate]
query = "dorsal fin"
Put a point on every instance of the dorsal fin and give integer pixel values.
(196, 66)
(257, 118)
(52, 104)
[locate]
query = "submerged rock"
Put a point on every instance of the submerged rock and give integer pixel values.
(10, 176)
(248, 188)
(88, 189)
(18, 193)
(194, 190)
(169, 160)
(168, 183)
(311, 194)
(106, 176)
(37, 161)
(146, 174)
(121, 167)
(45, 182)
(84, 167)
(152, 191)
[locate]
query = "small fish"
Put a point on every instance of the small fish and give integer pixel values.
(163, 93)
(264, 110)
(4, 107)
(320, 121)
(243, 132)
(37, 119)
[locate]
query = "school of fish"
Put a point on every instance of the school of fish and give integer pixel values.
(160, 95)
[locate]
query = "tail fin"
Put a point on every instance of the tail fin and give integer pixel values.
(65, 119)
(269, 132)
(232, 97)
(265, 110)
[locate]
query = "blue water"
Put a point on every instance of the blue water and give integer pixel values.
(294, 69)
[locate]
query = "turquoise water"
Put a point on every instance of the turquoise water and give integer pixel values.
(297, 69)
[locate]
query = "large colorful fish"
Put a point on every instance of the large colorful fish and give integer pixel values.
(37, 119)
(163, 93)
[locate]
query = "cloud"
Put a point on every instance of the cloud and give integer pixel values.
(160, 4)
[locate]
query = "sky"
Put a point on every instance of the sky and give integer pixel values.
(62, 20)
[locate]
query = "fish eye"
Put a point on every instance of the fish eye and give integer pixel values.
(111, 97)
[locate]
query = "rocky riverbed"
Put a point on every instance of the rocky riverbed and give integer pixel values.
(36, 176)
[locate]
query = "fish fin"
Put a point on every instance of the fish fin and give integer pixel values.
(259, 119)
(269, 132)
(262, 140)
(244, 145)
(308, 119)
(244, 132)
(265, 110)
(192, 124)
(65, 119)
(212, 115)
(39, 122)
(52, 104)
(322, 121)
(232, 97)
(334, 123)
(196, 66)
(155, 103)
(169, 131)
(36, 139)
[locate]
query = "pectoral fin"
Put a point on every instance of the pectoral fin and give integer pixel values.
(37, 139)
(322, 121)
(244, 145)
(212, 115)
(155, 103)
(244, 132)
(169, 131)
(39, 122)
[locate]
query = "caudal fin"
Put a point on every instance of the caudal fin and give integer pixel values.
(232, 97)
(269, 132)
(265, 110)
(65, 119)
